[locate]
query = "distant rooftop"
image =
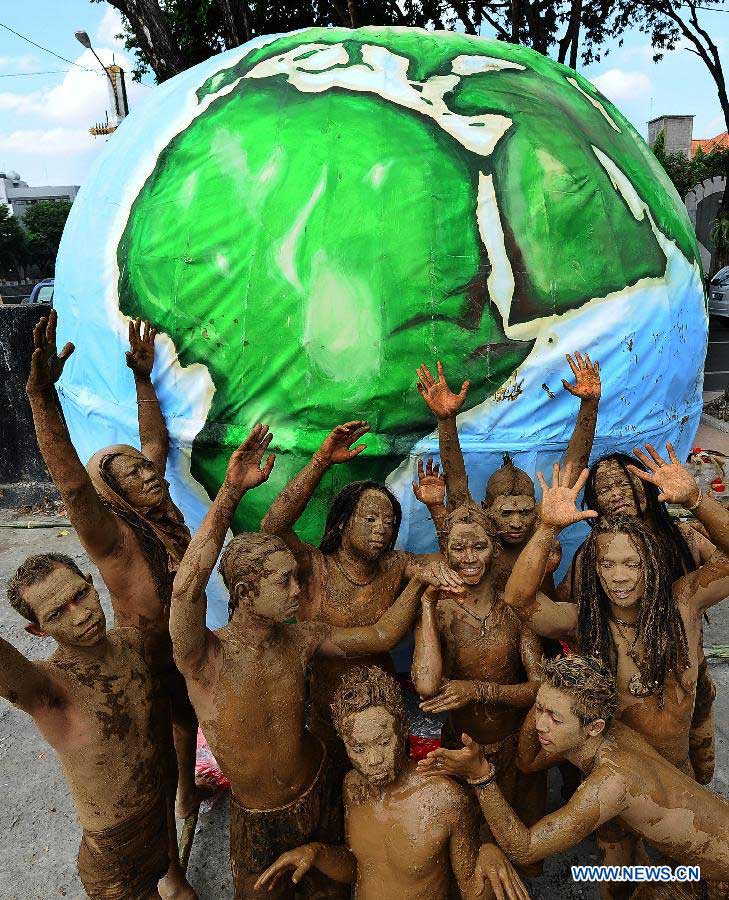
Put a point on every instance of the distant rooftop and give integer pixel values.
(709, 144)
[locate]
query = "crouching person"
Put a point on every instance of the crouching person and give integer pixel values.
(92, 701)
(408, 836)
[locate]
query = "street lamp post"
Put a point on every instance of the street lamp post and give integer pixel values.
(85, 41)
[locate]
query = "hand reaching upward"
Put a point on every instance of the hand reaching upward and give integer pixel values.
(244, 468)
(46, 364)
(441, 400)
(587, 378)
(430, 488)
(140, 356)
(675, 483)
(337, 446)
(558, 508)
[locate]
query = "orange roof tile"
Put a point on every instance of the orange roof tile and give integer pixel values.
(708, 144)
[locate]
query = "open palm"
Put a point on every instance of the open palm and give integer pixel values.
(674, 482)
(559, 502)
(441, 400)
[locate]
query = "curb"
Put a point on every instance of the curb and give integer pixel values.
(713, 422)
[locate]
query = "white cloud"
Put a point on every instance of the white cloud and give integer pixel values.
(109, 27)
(26, 62)
(49, 142)
(620, 85)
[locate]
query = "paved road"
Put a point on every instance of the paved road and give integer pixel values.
(716, 368)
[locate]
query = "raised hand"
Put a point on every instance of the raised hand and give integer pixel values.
(587, 378)
(430, 488)
(675, 483)
(452, 695)
(46, 364)
(558, 508)
(496, 869)
(441, 400)
(469, 763)
(140, 356)
(337, 446)
(244, 468)
(300, 860)
(438, 574)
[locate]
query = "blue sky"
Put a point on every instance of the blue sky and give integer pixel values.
(44, 119)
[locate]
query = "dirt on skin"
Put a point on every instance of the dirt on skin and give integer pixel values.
(37, 820)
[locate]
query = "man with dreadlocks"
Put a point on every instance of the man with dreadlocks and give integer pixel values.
(624, 778)
(409, 837)
(355, 574)
(509, 500)
(475, 660)
(247, 681)
(612, 489)
(131, 529)
(629, 613)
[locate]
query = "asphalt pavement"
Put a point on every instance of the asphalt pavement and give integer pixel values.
(716, 368)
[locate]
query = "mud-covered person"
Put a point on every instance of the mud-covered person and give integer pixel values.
(476, 661)
(612, 490)
(130, 528)
(355, 574)
(247, 681)
(624, 778)
(509, 500)
(408, 836)
(92, 700)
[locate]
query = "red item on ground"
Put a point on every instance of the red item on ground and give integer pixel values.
(420, 747)
(207, 769)
(718, 485)
(565, 647)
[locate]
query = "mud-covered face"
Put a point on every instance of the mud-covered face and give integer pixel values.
(513, 517)
(470, 550)
(139, 481)
(558, 726)
(369, 530)
(374, 744)
(67, 608)
(613, 491)
(276, 595)
(621, 570)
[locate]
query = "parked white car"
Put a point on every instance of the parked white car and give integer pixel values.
(719, 294)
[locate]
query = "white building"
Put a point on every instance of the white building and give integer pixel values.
(18, 195)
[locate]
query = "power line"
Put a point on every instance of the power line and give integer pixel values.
(23, 74)
(44, 49)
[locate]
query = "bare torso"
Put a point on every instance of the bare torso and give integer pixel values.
(400, 837)
(99, 724)
(328, 596)
(252, 711)
(686, 821)
(666, 727)
(491, 652)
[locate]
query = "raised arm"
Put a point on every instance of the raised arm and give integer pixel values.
(378, 638)
(96, 526)
(192, 641)
(709, 584)
(152, 428)
(427, 667)
(23, 682)
(430, 490)
(292, 500)
(444, 405)
(337, 863)
(522, 593)
(588, 388)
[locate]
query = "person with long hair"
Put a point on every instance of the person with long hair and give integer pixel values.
(630, 613)
(612, 489)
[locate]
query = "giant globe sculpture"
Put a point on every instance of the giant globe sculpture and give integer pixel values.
(310, 216)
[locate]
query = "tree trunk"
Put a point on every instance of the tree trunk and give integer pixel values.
(236, 26)
(152, 31)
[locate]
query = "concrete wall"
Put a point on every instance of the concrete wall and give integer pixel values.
(678, 131)
(23, 474)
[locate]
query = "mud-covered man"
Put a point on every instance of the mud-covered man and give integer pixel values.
(93, 701)
(407, 836)
(247, 681)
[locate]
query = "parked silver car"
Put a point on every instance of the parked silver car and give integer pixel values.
(719, 294)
